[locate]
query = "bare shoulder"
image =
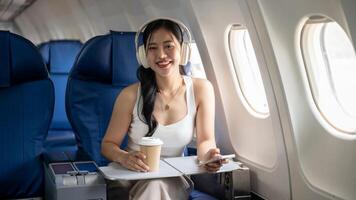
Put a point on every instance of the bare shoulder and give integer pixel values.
(203, 89)
(130, 92)
(202, 85)
(127, 96)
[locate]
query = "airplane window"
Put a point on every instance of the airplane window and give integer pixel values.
(331, 67)
(247, 70)
(195, 60)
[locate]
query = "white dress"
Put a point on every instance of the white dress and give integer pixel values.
(175, 136)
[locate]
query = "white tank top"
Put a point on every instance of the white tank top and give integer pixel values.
(175, 136)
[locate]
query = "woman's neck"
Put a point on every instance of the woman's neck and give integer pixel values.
(170, 83)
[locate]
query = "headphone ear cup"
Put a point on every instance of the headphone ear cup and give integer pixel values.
(185, 53)
(142, 56)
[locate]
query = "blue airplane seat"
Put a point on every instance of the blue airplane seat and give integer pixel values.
(59, 56)
(105, 65)
(26, 105)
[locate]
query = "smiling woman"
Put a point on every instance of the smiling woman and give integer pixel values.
(166, 104)
(163, 51)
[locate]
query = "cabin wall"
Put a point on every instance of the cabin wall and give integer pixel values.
(349, 7)
(320, 158)
(75, 19)
(221, 132)
(10, 26)
(258, 142)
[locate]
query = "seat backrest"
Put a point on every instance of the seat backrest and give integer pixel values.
(105, 65)
(26, 109)
(59, 56)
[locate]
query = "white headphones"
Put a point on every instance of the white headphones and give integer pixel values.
(185, 47)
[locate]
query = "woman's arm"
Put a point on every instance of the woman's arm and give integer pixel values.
(205, 101)
(118, 127)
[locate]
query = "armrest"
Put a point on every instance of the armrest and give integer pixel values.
(226, 185)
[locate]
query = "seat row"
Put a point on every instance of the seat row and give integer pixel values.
(30, 98)
(59, 57)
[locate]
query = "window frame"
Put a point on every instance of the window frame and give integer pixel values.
(314, 27)
(235, 69)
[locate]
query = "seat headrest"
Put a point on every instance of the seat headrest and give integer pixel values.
(108, 59)
(59, 55)
(20, 60)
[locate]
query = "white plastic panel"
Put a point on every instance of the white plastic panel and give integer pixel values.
(349, 8)
(197, 68)
(9, 27)
(84, 19)
(322, 163)
(257, 141)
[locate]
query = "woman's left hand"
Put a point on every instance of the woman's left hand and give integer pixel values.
(214, 166)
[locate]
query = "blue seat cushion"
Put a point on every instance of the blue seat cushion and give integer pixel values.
(60, 121)
(197, 195)
(60, 136)
(59, 56)
(60, 140)
(90, 112)
(26, 110)
(105, 65)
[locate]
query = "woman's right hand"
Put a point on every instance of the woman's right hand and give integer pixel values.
(134, 161)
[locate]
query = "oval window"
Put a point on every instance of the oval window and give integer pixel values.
(330, 63)
(247, 70)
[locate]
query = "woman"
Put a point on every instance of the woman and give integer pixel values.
(167, 105)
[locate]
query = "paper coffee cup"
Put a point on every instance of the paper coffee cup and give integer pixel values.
(151, 147)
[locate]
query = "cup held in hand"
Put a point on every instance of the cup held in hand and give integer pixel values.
(151, 147)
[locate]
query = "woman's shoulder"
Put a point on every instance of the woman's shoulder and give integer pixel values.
(202, 88)
(201, 84)
(129, 93)
(200, 80)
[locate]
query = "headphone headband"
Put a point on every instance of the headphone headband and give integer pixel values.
(139, 49)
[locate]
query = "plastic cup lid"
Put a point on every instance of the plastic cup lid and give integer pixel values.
(150, 141)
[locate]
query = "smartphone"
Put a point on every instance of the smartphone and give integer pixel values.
(221, 157)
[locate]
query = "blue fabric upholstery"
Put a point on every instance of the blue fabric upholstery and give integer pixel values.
(105, 65)
(197, 195)
(59, 56)
(26, 104)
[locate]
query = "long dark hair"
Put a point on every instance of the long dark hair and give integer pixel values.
(147, 76)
